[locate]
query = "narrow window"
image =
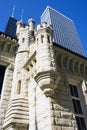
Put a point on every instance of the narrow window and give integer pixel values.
(73, 90)
(23, 40)
(37, 40)
(19, 87)
(77, 108)
(42, 38)
(2, 72)
(48, 39)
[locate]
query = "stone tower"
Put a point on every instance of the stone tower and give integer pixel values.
(17, 114)
(45, 85)
(34, 63)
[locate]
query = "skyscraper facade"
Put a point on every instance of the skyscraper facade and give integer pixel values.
(11, 27)
(65, 33)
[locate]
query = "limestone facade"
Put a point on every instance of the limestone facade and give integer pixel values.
(8, 47)
(38, 82)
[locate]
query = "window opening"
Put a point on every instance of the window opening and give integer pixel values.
(19, 87)
(77, 108)
(23, 40)
(37, 40)
(2, 73)
(48, 39)
(42, 38)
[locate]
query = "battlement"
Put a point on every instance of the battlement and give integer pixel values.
(30, 26)
(31, 23)
(43, 26)
(4, 36)
(22, 26)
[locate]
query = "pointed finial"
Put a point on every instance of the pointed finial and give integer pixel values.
(13, 11)
(22, 14)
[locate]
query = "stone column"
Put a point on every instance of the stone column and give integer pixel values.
(39, 108)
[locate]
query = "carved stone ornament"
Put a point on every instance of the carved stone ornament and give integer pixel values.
(47, 81)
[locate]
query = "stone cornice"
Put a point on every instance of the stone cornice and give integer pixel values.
(3, 35)
(56, 45)
(8, 46)
(72, 63)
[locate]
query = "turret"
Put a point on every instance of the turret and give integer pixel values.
(46, 67)
(19, 25)
(31, 24)
(22, 35)
(19, 92)
(31, 29)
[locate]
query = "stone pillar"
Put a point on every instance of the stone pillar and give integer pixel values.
(6, 91)
(39, 108)
(31, 30)
(31, 24)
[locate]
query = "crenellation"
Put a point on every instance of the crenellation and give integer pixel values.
(19, 25)
(38, 27)
(31, 23)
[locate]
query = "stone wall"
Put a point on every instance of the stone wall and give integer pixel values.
(8, 47)
(6, 91)
(61, 109)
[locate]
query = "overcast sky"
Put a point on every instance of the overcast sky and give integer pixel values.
(74, 9)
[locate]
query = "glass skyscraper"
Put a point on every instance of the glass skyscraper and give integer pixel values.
(11, 27)
(65, 33)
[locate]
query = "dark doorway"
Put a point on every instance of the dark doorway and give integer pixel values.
(2, 72)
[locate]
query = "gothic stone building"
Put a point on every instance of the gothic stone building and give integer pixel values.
(43, 85)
